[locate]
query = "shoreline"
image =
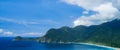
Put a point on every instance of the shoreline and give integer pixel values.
(92, 44)
(100, 45)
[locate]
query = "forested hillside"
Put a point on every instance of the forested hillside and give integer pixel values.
(107, 33)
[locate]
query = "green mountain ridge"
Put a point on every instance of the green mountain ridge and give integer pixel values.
(107, 33)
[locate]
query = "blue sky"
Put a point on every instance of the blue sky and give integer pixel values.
(35, 17)
(22, 16)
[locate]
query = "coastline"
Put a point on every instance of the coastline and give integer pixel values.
(92, 44)
(100, 45)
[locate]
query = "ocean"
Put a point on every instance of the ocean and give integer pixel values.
(6, 43)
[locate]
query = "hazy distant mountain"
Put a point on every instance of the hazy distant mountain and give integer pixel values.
(107, 33)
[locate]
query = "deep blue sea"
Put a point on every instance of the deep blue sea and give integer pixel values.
(6, 43)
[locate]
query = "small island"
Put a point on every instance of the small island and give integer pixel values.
(19, 38)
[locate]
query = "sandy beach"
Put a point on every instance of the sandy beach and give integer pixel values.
(100, 45)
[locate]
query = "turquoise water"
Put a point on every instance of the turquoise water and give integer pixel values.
(8, 44)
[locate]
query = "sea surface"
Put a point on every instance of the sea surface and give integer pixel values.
(6, 43)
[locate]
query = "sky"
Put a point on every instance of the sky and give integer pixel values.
(36, 17)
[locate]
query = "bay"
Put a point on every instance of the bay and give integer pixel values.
(6, 43)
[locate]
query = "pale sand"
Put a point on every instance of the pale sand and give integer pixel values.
(100, 45)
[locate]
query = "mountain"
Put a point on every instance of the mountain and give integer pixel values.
(107, 33)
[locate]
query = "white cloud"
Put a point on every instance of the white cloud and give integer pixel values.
(18, 21)
(107, 10)
(34, 34)
(30, 34)
(105, 13)
(86, 12)
(28, 22)
(8, 33)
(5, 33)
(1, 30)
(87, 4)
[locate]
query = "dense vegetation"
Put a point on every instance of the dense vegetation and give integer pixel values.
(107, 33)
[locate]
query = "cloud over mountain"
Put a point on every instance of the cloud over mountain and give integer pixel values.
(106, 10)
